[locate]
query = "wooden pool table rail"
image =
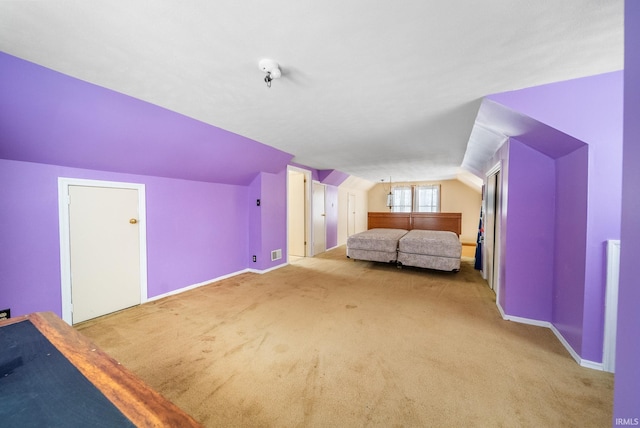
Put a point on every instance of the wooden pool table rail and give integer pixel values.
(143, 406)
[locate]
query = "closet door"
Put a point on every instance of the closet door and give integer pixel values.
(104, 250)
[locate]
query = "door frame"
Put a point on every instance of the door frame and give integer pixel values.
(307, 209)
(65, 247)
(611, 306)
(497, 212)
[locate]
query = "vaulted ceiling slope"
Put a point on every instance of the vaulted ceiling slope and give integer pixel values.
(372, 89)
(48, 117)
(554, 119)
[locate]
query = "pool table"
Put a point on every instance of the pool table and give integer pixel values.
(52, 375)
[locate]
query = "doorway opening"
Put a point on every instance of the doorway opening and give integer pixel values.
(298, 213)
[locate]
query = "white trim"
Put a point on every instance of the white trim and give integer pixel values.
(65, 257)
(214, 280)
(63, 217)
(497, 235)
(504, 316)
(497, 228)
(592, 365)
(260, 272)
(528, 321)
(584, 363)
(566, 344)
(581, 361)
(550, 326)
(611, 306)
(193, 286)
(495, 168)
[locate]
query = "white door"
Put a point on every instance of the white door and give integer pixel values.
(318, 219)
(351, 215)
(296, 214)
(104, 250)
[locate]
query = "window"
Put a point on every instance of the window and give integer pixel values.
(420, 198)
(427, 199)
(402, 199)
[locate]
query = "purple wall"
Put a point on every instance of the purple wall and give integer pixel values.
(569, 245)
(627, 381)
(255, 223)
(590, 110)
(29, 238)
(195, 232)
(543, 241)
(48, 117)
(268, 221)
(587, 110)
(274, 218)
(530, 227)
(198, 231)
(201, 184)
(332, 177)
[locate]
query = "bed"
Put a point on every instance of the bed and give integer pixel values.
(375, 245)
(430, 249)
(51, 375)
(426, 240)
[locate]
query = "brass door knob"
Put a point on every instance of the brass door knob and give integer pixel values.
(133, 221)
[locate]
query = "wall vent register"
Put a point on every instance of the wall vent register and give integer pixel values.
(276, 254)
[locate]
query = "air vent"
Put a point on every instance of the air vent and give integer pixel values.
(276, 255)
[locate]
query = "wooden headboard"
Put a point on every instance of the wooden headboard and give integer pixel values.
(425, 221)
(389, 221)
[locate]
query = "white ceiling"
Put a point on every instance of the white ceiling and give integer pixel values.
(371, 88)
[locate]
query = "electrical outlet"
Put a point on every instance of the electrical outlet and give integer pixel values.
(5, 314)
(254, 258)
(258, 202)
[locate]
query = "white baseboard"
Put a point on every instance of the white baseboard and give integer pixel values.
(582, 362)
(220, 278)
(592, 365)
(200, 284)
(267, 270)
(528, 321)
(502, 314)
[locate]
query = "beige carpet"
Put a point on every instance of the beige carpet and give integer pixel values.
(331, 342)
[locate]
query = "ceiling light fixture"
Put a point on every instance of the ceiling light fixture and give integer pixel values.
(272, 69)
